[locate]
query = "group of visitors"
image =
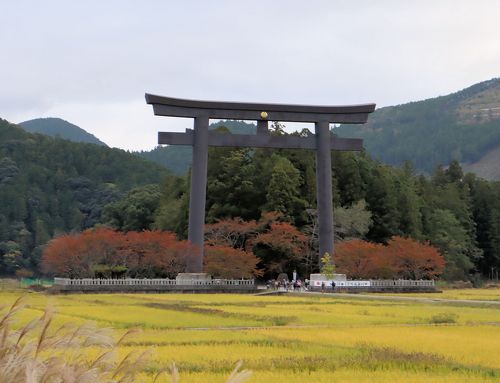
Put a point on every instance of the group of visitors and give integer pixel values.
(323, 286)
(285, 285)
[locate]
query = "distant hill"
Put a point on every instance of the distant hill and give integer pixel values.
(463, 126)
(57, 127)
(178, 158)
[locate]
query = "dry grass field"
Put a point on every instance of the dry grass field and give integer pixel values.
(292, 339)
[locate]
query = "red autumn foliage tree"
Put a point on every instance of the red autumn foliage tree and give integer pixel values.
(227, 262)
(284, 237)
(74, 255)
(233, 232)
(268, 218)
(155, 254)
(401, 258)
(414, 260)
(360, 259)
(144, 254)
(281, 248)
(236, 234)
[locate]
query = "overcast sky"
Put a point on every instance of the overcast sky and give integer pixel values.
(90, 62)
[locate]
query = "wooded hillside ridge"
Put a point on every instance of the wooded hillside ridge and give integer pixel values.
(463, 126)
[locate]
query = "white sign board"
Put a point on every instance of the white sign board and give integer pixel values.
(343, 283)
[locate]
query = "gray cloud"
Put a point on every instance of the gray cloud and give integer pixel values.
(91, 61)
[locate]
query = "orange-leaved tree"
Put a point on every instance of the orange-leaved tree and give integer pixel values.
(75, 255)
(233, 232)
(402, 258)
(136, 254)
(150, 254)
(227, 262)
(281, 248)
(361, 259)
(414, 260)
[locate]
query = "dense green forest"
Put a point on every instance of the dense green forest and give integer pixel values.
(459, 214)
(57, 127)
(462, 126)
(50, 186)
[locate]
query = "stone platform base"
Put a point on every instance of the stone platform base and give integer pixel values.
(190, 278)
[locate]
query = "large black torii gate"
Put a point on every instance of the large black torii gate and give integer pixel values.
(201, 138)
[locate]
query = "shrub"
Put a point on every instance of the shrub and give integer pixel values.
(443, 318)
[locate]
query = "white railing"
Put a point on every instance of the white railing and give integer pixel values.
(151, 282)
(402, 283)
(374, 283)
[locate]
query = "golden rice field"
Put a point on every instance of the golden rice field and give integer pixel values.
(491, 294)
(301, 338)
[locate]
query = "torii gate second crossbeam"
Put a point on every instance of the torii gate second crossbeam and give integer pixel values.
(201, 138)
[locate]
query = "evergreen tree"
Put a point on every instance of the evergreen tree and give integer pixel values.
(231, 188)
(382, 203)
(283, 191)
(135, 212)
(409, 203)
(446, 233)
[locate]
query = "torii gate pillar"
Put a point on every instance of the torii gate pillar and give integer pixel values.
(324, 187)
(197, 197)
(323, 142)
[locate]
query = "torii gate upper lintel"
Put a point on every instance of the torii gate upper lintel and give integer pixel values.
(201, 138)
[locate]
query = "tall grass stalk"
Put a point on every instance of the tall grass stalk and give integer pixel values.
(38, 353)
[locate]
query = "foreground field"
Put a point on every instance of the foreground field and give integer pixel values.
(296, 338)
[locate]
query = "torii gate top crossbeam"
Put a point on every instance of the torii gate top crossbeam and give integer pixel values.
(177, 107)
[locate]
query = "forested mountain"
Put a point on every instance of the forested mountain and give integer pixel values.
(463, 126)
(57, 127)
(177, 158)
(50, 186)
